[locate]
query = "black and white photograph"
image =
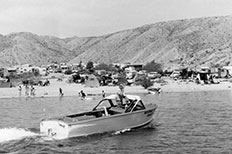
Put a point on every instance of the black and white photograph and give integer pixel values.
(115, 76)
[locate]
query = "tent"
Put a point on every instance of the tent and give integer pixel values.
(92, 81)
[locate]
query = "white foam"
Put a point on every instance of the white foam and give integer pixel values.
(7, 134)
(121, 131)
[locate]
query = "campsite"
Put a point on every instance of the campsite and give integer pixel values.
(93, 83)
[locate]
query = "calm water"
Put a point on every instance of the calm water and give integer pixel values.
(199, 122)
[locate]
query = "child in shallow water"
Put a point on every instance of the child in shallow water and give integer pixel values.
(82, 94)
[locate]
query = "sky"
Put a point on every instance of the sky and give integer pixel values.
(83, 18)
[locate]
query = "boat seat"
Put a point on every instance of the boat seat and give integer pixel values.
(85, 118)
(116, 110)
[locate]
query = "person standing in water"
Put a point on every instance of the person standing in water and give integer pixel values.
(32, 91)
(61, 92)
(103, 94)
(26, 90)
(20, 90)
(82, 94)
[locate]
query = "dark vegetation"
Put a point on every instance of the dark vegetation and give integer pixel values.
(153, 67)
(146, 82)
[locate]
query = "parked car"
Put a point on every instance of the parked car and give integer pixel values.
(175, 74)
(153, 75)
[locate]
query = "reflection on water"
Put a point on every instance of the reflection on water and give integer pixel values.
(198, 122)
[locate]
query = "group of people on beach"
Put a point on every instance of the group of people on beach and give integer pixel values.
(83, 95)
(29, 90)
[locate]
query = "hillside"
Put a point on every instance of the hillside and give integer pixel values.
(190, 42)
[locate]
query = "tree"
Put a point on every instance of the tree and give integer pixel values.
(80, 65)
(89, 66)
(103, 66)
(146, 82)
(35, 72)
(68, 72)
(153, 67)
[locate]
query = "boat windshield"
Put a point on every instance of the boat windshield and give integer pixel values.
(104, 103)
(135, 106)
(139, 106)
(114, 101)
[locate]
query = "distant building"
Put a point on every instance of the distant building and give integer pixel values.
(137, 67)
(11, 71)
(64, 68)
(130, 72)
(26, 68)
(223, 72)
(205, 69)
(3, 72)
(42, 71)
(229, 69)
(100, 72)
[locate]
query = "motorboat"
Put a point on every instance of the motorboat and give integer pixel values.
(109, 115)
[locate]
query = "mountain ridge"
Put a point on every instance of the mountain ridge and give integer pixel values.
(177, 43)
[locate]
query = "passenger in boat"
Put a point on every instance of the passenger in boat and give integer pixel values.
(121, 92)
(121, 89)
(122, 97)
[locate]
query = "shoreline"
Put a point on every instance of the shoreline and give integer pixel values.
(72, 89)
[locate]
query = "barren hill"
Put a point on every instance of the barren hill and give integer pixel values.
(190, 42)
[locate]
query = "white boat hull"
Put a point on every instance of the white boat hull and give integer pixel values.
(107, 116)
(59, 129)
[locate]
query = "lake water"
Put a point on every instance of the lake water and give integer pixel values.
(199, 122)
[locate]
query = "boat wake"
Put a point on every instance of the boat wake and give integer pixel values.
(8, 134)
(14, 139)
(121, 131)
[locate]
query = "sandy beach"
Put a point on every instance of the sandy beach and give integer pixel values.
(180, 86)
(69, 89)
(72, 89)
